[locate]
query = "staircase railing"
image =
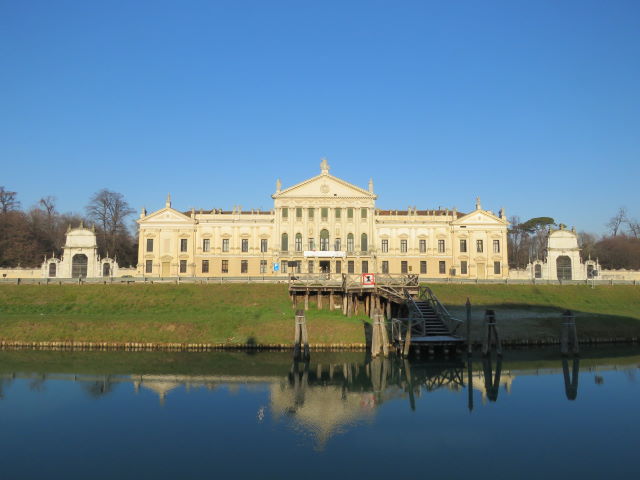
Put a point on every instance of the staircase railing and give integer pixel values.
(419, 327)
(451, 322)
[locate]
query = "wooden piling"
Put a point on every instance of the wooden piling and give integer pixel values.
(331, 305)
(568, 334)
(319, 302)
(469, 345)
(306, 300)
(300, 338)
(379, 336)
(491, 333)
(407, 340)
(344, 304)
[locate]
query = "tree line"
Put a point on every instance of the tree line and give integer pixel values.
(28, 235)
(618, 248)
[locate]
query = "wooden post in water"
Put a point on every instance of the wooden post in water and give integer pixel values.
(344, 304)
(469, 345)
(331, 305)
(319, 302)
(491, 333)
(407, 339)
(300, 338)
(379, 336)
(568, 334)
(306, 300)
(389, 310)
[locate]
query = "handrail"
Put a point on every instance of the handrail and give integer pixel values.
(452, 323)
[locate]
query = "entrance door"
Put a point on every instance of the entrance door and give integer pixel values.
(325, 266)
(563, 264)
(106, 269)
(79, 264)
(166, 268)
(482, 270)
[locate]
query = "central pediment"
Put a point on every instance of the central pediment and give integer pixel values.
(324, 186)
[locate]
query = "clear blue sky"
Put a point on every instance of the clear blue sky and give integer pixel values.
(532, 105)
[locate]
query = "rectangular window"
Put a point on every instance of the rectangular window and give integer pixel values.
(206, 245)
(299, 213)
(283, 266)
(442, 267)
(311, 211)
(496, 268)
(496, 246)
(285, 213)
(350, 213)
(338, 213)
(338, 245)
(264, 245)
(404, 267)
(349, 243)
(463, 267)
(148, 266)
(423, 246)
(263, 266)
(297, 267)
(298, 243)
(312, 244)
(403, 246)
(463, 246)
(225, 266)
(149, 244)
(245, 245)
(324, 214)
(385, 266)
(205, 266)
(183, 266)
(365, 266)
(423, 267)
(351, 268)
(244, 266)
(225, 244)
(363, 213)
(183, 244)
(310, 265)
(385, 246)
(479, 246)
(338, 266)
(441, 248)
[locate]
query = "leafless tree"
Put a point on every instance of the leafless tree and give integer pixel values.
(617, 220)
(8, 200)
(634, 227)
(110, 211)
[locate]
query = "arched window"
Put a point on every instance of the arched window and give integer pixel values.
(52, 269)
(324, 240)
(285, 243)
(106, 269)
(298, 242)
(563, 265)
(350, 243)
(538, 270)
(363, 243)
(79, 265)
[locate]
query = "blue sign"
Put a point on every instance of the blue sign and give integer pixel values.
(276, 267)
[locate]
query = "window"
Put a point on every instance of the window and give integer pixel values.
(338, 266)
(463, 267)
(441, 246)
(311, 211)
(442, 267)
(52, 269)
(149, 244)
(285, 243)
(404, 267)
(225, 244)
(206, 245)
(479, 246)
(264, 245)
(365, 266)
(310, 265)
(312, 244)
(351, 268)
(363, 213)
(385, 246)
(496, 246)
(283, 266)
(363, 243)
(338, 244)
(285, 213)
(496, 268)
(245, 245)
(205, 266)
(148, 266)
(298, 242)
(350, 213)
(106, 269)
(244, 266)
(338, 213)
(183, 244)
(423, 267)
(423, 246)
(385, 266)
(538, 271)
(350, 243)
(263, 266)
(297, 267)
(324, 240)
(403, 246)
(299, 213)
(183, 266)
(463, 246)
(324, 214)
(225, 266)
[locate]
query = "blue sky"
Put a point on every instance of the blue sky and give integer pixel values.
(532, 105)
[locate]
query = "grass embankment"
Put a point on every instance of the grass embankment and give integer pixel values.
(239, 314)
(234, 314)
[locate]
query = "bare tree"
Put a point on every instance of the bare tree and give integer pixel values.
(634, 227)
(8, 200)
(110, 211)
(617, 220)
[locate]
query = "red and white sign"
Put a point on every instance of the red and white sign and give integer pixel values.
(368, 279)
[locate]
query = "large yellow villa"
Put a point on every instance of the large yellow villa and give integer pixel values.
(323, 225)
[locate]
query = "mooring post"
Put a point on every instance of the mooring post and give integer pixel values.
(379, 337)
(407, 340)
(344, 304)
(491, 333)
(469, 346)
(568, 334)
(331, 305)
(300, 338)
(319, 302)
(306, 300)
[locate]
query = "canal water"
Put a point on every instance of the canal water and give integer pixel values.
(533, 415)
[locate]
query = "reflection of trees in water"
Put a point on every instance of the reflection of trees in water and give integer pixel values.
(5, 382)
(99, 388)
(37, 384)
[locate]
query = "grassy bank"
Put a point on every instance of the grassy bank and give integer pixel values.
(237, 314)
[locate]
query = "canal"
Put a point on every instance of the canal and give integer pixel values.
(95, 415)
